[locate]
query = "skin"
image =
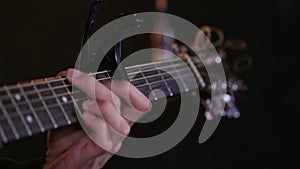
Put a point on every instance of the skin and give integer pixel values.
(71, 148)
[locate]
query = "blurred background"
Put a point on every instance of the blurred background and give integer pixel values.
(42, 38)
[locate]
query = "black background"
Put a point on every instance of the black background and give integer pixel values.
(41, 38)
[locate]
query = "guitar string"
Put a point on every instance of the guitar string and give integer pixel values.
(44, 121)
(155, 75)
(62, 117)
(96, 73)
(45, 81)
(50, 106)
(67, 94)
(8, 106)
(155, 63)
(102, 72)
(27, 112)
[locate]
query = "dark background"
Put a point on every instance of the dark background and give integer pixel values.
(41, 38)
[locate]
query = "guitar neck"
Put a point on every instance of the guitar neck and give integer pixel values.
(36, 107)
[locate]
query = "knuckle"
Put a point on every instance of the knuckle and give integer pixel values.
(105, 106)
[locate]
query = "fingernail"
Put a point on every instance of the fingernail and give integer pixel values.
(122, 125)
(148, 106)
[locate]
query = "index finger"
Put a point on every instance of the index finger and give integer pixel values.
(89, 85)
(130, 94)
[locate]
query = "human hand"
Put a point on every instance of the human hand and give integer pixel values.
(71, 147)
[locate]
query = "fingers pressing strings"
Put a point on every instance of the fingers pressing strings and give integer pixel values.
(108, 112)
(90, 86)
(105, 101)
(102, 113)
(136, 103)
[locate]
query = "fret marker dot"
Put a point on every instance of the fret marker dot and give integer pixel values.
(17, 97)
(214, 86)
(64, 99)
(218, 60)
(29, 119)
(235, 87)
(224, 86)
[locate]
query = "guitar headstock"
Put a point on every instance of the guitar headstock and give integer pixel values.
(231, 54)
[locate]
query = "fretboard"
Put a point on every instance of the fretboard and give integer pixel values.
(28, 109)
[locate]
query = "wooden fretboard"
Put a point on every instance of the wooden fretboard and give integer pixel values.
(27, 109)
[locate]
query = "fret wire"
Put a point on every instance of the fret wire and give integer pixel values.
(151, 69)
(19, 112)
(32, 109)
(62, 79)
(73, 99)
(3, 135)
(160, 85)
(66, 94)
(163, 79)
(43, 82)
(151, 63)
(68, 103)
(184, 85)
(102, 72)
(205, 74)
(141, 65)
(58, 102)
(45, 98)
(147, 83)
(157, 75)
(107, 75)
(188, 74)
(41, 108)
(6, 115)
(44, 104)
(172, 78)
(71, 103)
(201, 66)
(45, 90)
